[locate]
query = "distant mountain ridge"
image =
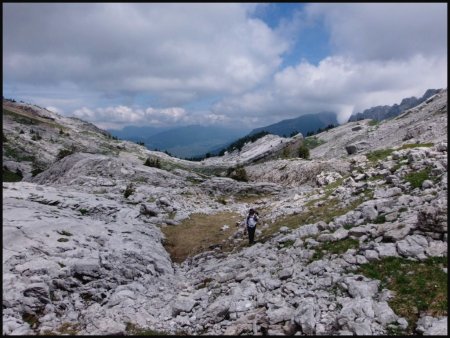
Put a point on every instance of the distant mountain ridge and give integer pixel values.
(184, 142)
(135, 133)
(302, 124)
(380, 113)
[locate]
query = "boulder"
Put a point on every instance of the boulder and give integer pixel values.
(307, 315)
(351, 149)
(383, 313)
(412, 246)
(39, 291)
(429, 326)
(182, 304)
(432, 218)
(280, 315)
(361, 287)
(219, 308)
(149, 211)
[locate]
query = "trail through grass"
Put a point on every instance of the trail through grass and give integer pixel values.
(198, 233)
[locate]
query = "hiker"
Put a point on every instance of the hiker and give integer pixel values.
(250, 222)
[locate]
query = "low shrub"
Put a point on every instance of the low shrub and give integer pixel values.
(153, 162)
(416, 178)
(303, 152)
(238, 174)
(9, 176)
(63, 153)
(129, 190)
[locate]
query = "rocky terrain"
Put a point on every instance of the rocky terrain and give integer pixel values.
(85, 250)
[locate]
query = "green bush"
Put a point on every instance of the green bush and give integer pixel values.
(153, 162)
(238, 174)
(37, 169)
(312, 142)
(380, 219)
(129, 190)
(36, 137)
(63, 153)
(303, 152)
(285, 153)
(9, 176)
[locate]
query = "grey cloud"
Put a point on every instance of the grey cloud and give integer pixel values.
(132, 48)
(383, 31)
(340, 85)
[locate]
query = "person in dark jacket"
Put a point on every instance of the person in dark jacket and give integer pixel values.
(250, 222)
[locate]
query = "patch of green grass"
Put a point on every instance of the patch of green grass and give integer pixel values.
(70, 329)
(9, 176)
(197, 233)
(396, 167)
(395, 330)
(325, 212)
(287, 244)
(420, 287)
(134, 330)
(248, 198)
(380, 154)
(328, 189)
(332, 186)
(83, 211)
(374, 123)
(31, 319)
(19, 118)
(140, 179)
(380, 219)
(338, 247)
(416, 178)
(402, 209)
(416, 145)
(312, 142)
(375, 178)
(16, 154)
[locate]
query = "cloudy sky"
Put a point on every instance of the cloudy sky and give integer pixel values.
(240, 64)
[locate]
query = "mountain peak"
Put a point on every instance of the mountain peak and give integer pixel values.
(380, 113)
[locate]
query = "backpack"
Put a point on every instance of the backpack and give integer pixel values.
(251, 221)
